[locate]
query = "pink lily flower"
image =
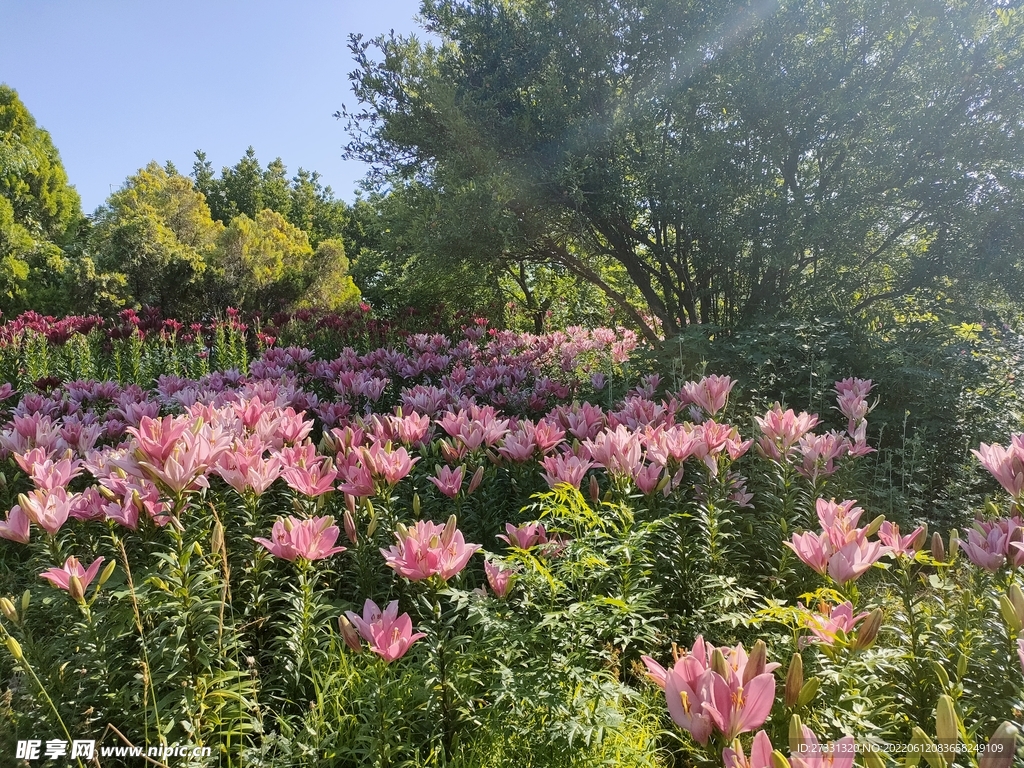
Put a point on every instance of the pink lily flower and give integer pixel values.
(813, 549)
(710, 393)
(852, 560)
(1005, 464)
(738, 707)
(72, 569)
(448, 481)
(986, 549)
(1020, 652)
(388, 634)
(499, 578)
(311, 539)
(760, 753)
(564, 468)
(427, 549)
(688, 702)
(525, 536)
(902, 546)
(828, 622)
(47, 509)
(16, 527)
(812, 754)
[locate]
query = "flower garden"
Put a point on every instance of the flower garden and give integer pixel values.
(325, 541)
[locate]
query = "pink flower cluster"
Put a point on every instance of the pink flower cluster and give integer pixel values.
(388, 634)
(427, 549)
(721, 689)
(841, 549)
(991, 544)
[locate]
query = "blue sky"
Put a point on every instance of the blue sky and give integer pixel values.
(118, 84)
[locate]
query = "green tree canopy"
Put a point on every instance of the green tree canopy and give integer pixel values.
(733, 159)
(157, 231)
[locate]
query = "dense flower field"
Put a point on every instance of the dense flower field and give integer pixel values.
(484, 550)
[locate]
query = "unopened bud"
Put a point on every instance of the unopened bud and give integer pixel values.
(794, 680)
(106, 574)
(288, 524)
(719, 664)
(216, 539)
(874, 525)
(448, 534)
(808, 692)
(868, 631)
(350, 527)
(666, 478)
(947, 727)
(416, 504)
(197, 549)
(954, 543)
(779, 760)
(371, 527)
(919, 540)
(871, 758)
(106, 493)
(961, 666)
(595, 489)
(796, 734)
(1001, 748)
(941, 674)
(26, 597)
(326, 522)
(755, 661)
(350, 503)
(15, 648)
(1010, 616)
(938, 548)
(8, 610)
(474, 482)
(349, 634)
(75, 589)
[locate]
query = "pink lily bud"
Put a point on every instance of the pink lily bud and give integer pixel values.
(595, 489)
(755, 661)
(938, 548)
(448, 534)
(474, 482)
(349, 634)
(868, 631)
(794, 680)
(350, 527)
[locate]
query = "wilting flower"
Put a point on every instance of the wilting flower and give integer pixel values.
(388, 634)
(65, 578)
(311, 539)
(427, 549)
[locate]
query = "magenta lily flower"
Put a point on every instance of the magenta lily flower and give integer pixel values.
(62, 577)
(388, 634)
(312, 539)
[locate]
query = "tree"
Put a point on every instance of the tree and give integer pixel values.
(330, 285)
(157, 231)
(733, 159)
(263, 262)
(39, 212)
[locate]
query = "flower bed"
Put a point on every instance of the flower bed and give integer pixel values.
(485, 550)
